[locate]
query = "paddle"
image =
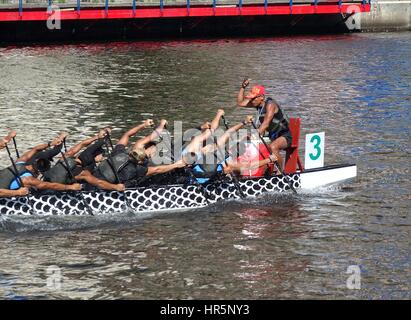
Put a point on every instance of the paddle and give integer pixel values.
(15, 148)
(275, 162)
(17, 176)
(64, 144)
(109, 139)
(232, 176)
(67, 167)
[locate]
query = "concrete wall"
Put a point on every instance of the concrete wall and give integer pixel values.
(387, 15)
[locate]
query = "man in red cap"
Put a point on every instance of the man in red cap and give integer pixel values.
(270, 117)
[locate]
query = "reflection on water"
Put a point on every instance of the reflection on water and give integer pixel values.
(356, 88)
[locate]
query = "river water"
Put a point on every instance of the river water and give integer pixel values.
(354, 87)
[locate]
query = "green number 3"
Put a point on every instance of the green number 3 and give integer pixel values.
(317, 139)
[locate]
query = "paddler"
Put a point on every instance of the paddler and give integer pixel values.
(202, 134)
(129, 168)
(6, 192)
(74, 167)
(270, 117)
(23, 174)
(214, 159)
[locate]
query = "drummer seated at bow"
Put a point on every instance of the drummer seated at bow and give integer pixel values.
(130, 168)
(270, 117)
(215, 159)
(25, 173)
(74, 166)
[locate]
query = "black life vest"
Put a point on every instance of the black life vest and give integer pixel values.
(120, 164)
(279, 122)
(7, 175)
(60, 173)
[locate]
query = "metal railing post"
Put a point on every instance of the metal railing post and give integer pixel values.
(20, 8)
(106, 8)
(78, 6)
(134, 8)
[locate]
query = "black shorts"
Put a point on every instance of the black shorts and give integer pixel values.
(286, 134)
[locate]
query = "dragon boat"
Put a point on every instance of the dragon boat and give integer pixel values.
(178, 197)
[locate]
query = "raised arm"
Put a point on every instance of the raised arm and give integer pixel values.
(31, 153)
(241, 100)
(221, 141)
(197, 142)
(74, 150)
(151, 137)
(216, 121)
(126, 137)
(7, 139)
(224, 138)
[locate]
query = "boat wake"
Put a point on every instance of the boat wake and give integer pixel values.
(21, 224)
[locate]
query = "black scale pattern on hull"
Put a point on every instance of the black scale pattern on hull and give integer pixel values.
(142, 199)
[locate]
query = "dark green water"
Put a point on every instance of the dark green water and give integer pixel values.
(356, 88)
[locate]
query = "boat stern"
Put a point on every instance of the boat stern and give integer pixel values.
(314, 178)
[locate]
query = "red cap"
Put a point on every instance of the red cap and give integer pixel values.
(255, 91)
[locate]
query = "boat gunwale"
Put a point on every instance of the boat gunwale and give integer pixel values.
(158, 186)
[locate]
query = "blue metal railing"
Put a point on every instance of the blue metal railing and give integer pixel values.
(20, 8)
(106, 7)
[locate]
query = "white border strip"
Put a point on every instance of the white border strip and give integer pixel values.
(389, 2)
(311, 180)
